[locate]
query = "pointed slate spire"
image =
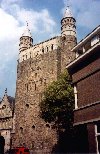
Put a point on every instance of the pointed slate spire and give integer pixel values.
(68, 12)
(68, 27)
(26, 40)
(27, 31)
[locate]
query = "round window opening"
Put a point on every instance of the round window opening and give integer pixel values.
(4, 106)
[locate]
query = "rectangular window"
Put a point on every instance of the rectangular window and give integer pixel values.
(98, 128)
(76, 96)
(97, 134)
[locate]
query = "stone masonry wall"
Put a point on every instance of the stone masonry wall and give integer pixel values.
(37, 68)
(67, 43)
(33, 76)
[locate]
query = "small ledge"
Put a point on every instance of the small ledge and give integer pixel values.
(86, 106)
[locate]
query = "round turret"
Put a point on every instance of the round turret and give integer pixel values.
(68, 37)
(68, 24)
(26, 40)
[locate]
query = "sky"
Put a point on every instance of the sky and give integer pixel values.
(43, 17)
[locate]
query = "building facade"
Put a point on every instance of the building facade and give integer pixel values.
(38, 66)
(85, 71)
(7, 120)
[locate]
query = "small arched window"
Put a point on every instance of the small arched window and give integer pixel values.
(23, 57)
(21, 129)
(32, 144)
(47, 49)
(33, 127)
(42, 50)
(26, 56)
(35, 75)
(52, 47)
(64, 38)
(30, 55)
(27, 87)
(45, 82)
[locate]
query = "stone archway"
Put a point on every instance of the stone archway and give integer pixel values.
(2, 144)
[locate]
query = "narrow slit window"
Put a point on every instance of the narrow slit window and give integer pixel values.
(52, 47)
(35, 86)
(21, 129)
(42, 50)
(26, 87)
(47, 49)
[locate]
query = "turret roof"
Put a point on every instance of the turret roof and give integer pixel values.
(27, 32)
(68, 12)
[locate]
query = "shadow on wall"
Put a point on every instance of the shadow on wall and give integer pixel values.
(73, 141)
(65, 143)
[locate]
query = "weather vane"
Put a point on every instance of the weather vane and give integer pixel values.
(68, 3)
(6, 91)
(27, 23)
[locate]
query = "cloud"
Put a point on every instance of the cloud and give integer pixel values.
(13, 20)
(8, 26)
(38, 21)
(12, 24)
(6, 3)
(89, 17)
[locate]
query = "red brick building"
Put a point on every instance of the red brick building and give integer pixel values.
(85, 71)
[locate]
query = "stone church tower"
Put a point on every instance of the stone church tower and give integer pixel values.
(38, 66)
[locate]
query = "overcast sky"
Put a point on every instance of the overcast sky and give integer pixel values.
(44, 18)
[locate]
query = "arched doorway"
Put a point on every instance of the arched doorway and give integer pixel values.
(2, 144)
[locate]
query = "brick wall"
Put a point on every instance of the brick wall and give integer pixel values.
(87, 114)
(86, 76)
(91, 137)
(87, 66)
(89, 90)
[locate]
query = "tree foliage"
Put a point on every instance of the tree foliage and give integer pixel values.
(58, 101)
